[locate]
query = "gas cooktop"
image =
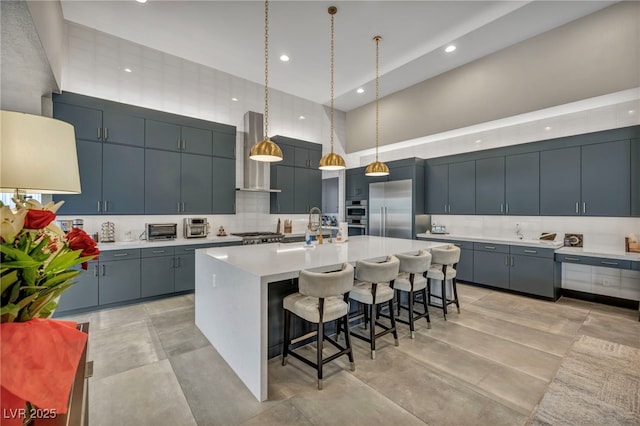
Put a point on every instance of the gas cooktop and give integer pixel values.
(259, 237)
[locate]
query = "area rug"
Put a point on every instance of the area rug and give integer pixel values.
(598, 383)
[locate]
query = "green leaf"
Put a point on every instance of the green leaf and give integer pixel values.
(20, 264)
(9, 312)
(7, 280)
(15, 292)
(60, 278)
(29, 275)
(25, 301)
(63, 261)
(14, 253)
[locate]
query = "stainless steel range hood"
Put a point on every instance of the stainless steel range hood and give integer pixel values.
(257, 174)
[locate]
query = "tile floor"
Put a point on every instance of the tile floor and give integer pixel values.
(489, 365)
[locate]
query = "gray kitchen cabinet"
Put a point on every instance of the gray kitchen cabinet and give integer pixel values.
(287, 146)
(464, 270)
(532, 275)
(119, 276)
(606, 179)
(185, 267)
(90, 168)
(462, 188)
(522, 184)
(356, 184)
(162, 182)
(306, 193)
(489, 191)
(224, 185)
(635, 177)
(491, 265)
(122, 179)
(330, 195)
(560, 182)
(156, 271)
(196, 183)
(224, 145)
(104, 125)
(84, 292)
(308, 158)
(282, 177)
(437, 188)
(175, 137)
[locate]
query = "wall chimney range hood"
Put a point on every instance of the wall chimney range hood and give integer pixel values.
(257, 174)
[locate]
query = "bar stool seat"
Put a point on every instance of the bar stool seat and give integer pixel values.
(322, 298)
(412, 280)
(436, 272)
(374, 286)
(443, 269)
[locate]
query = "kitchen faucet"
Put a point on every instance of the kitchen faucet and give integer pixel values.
(519, 232)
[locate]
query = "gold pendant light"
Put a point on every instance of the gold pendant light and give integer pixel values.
(377, 168)
(266, 150)
(332, 161)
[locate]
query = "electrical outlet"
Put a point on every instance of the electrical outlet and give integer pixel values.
(606, 282)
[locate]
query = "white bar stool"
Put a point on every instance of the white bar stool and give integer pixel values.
(322, 298)
(412, 279)
(443, 268)
(373, 286)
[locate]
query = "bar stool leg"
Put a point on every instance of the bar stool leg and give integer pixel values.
(392, 317)
(347, 341)
(426, 309)
(455, 294)
(411, 300)
(399, 298)
(319, 353)
(287, 337)
(372, 330)
(444, 297)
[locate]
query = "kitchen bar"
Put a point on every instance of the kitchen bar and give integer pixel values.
(231, 292)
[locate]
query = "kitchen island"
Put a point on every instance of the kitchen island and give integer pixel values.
(231, 296)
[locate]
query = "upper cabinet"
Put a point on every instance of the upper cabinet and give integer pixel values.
(139, 161)
(450, 188)
(522, 184)
(490, 186)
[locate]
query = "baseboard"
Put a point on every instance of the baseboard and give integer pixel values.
(599, 298)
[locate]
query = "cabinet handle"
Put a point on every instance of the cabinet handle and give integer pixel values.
(95, 271)
(99, 133)
(501, 208)
(184, 144)
(105, 206)
(445, 207)
(449, 208)
(104, 270)
(178, 144)
(577, 209)
(98, 206)
(572, 259)
(183, 206)
(507, 207)
(531, 251)
(178, 207)
(512, 261)
(584, 207)
(604, 262)
(157, 251)
(490, 247)
(506, 261)
(106, 133)
(121, 255)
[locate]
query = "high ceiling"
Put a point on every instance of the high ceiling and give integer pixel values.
(229, 36)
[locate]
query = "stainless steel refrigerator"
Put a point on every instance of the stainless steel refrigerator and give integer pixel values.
(390, 209)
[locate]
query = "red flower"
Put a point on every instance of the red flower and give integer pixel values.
(80, 240)
(38, 219)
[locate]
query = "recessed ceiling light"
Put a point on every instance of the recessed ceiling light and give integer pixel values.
(631, 111)
(284, 58)
(141, 1)
(127, 70)
(548, 128)
(360, 90)
(234, 99)
(450, 48)
(302, 117)
(478, 140)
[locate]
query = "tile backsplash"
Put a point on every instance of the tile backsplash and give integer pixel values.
(600, 233)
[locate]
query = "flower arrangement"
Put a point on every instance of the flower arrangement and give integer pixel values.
(37, 260)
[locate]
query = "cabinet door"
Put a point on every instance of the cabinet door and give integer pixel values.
(288, 153)
(84, 293)
(87, 122)
(490, 186)
(122, 179)
(401, 173)
(119, 281)
(185, 271)
(162, 182)
(90, 168)
(357, 185)
(437, 188)
(560, 182)
(522, 184)
(462, 188)
(307, 189)
(314, 188)
(314, 158)
(330, 195)
(224, 145)
(606, 179)
(464, 271)
(197, 141)
(156, 275)
(532, 275)
(282, 178)
(635, 177)
(122, 128)
(162, 135)
(196, 181)
(224, 185)
(301, 157)
(491, 268)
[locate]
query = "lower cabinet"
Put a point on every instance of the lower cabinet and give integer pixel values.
(84, 292)
(156, 271)
(119, 276)
(491, 265)
(185, 268)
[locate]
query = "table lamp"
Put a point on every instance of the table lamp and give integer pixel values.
(37, 155)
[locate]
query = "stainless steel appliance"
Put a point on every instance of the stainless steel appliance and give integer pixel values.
(390, 209)
(196, 227)
(161, 231)
(259, 237)
(356, 212)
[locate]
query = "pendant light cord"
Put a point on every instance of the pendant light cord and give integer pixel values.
(377, 40)
(266, 69)
(332, 11)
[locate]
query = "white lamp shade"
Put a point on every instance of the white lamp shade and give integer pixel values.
(37, 155)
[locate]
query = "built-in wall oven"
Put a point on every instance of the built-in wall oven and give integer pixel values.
(356, 212)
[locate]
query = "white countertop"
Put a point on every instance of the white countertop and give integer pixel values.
(609, 254)
(138, 244)
(275, 259)
(498, 240)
